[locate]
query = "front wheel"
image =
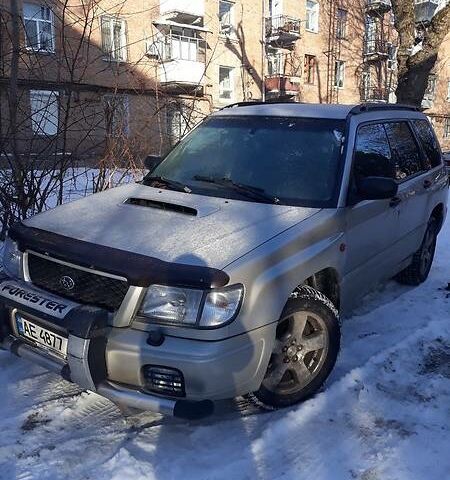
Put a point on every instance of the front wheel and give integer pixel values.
(306, 347)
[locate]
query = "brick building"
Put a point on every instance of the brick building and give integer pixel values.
(134, 76)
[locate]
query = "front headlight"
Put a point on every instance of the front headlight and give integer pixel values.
(12, 258)
(184, 306)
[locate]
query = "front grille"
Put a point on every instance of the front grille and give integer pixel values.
(87, 288)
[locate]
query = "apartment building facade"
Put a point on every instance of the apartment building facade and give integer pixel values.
(134, 76)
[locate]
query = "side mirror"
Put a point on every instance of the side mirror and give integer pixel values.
(376, 188)
(152, 161)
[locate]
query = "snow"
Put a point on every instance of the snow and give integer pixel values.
(384, 414)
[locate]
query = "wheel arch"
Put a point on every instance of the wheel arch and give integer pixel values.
(438, 213)
(325, 281)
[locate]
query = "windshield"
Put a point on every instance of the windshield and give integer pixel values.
(291, 161)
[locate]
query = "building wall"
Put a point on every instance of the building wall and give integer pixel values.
(81, 72)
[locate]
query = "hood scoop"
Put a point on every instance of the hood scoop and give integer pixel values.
(170, 207)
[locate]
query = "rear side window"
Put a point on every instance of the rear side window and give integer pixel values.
(429, 143)
(405, 151)
(372, 153)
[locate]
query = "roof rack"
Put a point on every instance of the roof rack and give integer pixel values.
(373, 107)
(256, 102)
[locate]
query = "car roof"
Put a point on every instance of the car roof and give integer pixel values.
(307, 110)
(316, 110)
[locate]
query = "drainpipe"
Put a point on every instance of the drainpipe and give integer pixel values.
(263, 57)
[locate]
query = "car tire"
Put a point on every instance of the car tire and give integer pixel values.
(306, 348)
(417, 272)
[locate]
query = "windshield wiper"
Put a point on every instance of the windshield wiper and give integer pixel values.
(246, 190)
(166, 182)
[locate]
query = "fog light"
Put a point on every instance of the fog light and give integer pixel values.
(163, 380)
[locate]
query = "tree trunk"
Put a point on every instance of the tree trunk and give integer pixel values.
(414, 70)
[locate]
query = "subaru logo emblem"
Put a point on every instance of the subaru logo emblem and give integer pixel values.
(68, 283)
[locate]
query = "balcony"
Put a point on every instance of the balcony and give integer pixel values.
(375, 95)
(181, 74)
(183, 11)
(378, 6)
(376, 50)
(282, 30)
(282, 86)
(425, 10)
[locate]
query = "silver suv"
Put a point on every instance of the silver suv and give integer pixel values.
(224, 272)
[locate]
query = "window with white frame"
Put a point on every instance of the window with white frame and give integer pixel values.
(226, 89)
(44, 107)
(117, 115)
(447, 127)
(339, 73)
(226, 11)
(39, 27)
(312, 16)
(178, 122)
(184, 44)
(114, 38)
(276, 63)
(178, 43)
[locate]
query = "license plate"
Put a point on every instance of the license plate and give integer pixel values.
(43, 337)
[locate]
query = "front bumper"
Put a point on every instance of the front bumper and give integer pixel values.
(110, 360)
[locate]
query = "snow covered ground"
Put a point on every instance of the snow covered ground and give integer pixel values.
(384, 415)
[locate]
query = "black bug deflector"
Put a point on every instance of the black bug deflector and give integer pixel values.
(138, 269)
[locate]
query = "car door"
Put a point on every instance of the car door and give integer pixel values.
(413, 187)
(371, 225)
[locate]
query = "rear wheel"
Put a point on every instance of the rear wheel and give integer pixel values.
(306, 347)
(419, 269)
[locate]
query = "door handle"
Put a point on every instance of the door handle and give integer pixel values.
(395, 201)
(427, 183)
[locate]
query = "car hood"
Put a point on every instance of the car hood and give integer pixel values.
(171, 226)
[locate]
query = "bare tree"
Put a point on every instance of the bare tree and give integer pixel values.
(417, 49)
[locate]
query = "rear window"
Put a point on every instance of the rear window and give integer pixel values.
(429, 143)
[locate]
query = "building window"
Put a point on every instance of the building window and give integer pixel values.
(341, 23)
(184, 44)
(392, 56)
(114, 38)
(225, 17)
(431, 87)
(312, 16)
(39, 27)
(339, 73)
(178, 122)
(276, 63)
(447, 128)
(117, 114)
(310, 69)
(225, 83)
(44, 112)
(448, 91)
